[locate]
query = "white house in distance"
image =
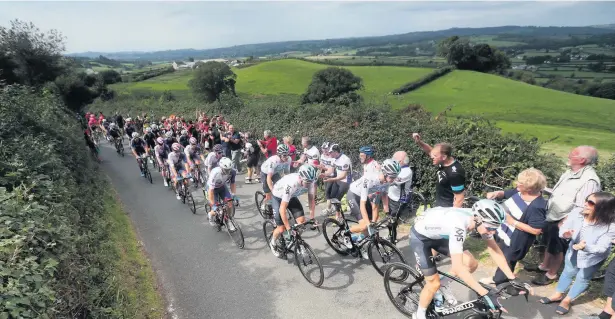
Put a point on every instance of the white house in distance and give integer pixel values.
(190, 65)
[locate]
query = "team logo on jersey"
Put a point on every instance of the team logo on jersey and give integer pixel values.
(459, 234)
(287, 190)
(454, 169)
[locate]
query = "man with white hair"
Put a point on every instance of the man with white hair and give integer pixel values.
(568, 195)
(400, 192)
(269, 145)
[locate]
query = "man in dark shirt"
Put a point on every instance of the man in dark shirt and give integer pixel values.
(450, 187)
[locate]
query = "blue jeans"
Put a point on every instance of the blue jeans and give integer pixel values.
(581, 281)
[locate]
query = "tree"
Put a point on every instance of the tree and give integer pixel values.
(73, 91)
(110, 76)
(29, 56)
(211, 79)
(481, 57)
(332, 85)
(190, 59)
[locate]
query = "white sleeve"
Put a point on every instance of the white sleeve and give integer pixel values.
(211, 181)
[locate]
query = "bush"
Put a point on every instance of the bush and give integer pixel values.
(434, 75)
(55, 257)
(606, 171)
(486, 155)
(333, 85)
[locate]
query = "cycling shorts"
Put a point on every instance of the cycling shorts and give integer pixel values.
(294, 206)
(220, 194)
(421, 247)
(354, 202)
(275, 178)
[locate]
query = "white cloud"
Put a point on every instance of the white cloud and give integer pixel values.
(126, 26)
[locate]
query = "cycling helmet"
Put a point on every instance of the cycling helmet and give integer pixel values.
(112, 125)
(160, 140)
(128, 120)
(283, 150)
(333, 147)
(226, 165)
(192, 141)
(168, 134)
(217, 148)
(154, 127)
(390, 167)
(489, 211)
(148, 130)
(176, 147)
(184, 132)
(135, 135)
(308, 173)
(367, 150)
(104, 120)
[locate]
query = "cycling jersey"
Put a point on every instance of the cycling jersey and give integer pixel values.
(106, 125)
(184, 140)
(115, 133)
(176, 160)
(291, 186)
(218, 179)
(274, 165)
(445, 223)
(211, 160)
(192, 151)
(343, 164)
(150, 139)
(92, 121)
(170, 141)
(162, 151)
(371, 168)
(451, 181)
(367, 186)
(129, 129)
(402, 182)
(311, 154)
(138, 144)
(326, 161)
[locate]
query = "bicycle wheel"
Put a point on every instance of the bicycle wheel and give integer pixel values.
(382, 253)
(268, 228)
(416, 205)
(233, 230)
(304, 256)
(122, 149)
(183, 191)
(336, 229)
(259, 199)
(148, 174)
(403, 294)
(191, 202)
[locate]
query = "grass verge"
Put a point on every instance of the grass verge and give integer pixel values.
(136, 281)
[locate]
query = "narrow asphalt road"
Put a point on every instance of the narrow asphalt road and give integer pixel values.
(204, 275)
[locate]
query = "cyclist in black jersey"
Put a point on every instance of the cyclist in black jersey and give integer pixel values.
(184, 139)
(150, 138)
(138, 146)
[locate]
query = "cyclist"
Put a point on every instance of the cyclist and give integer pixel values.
(400, 192)
(217, 187)
(161, 150)
(310, 155)
(285, 197)
(362, 198)
(170, 140)
(193, 153)
(341, 164)
(370, 165)
(430, 232)
(150, 139)
(324, 165)
(138, 146)
(211, 161)
(114, 132)
(178, 166)
(271, 169)
(184, 138)
(105, 128)
(156, 130)
(130, 127)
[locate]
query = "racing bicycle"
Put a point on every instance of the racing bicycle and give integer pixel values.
(304, 255)
(144, 168)
(119, 146)
(403, 286)
(226, 219)
(184, 192)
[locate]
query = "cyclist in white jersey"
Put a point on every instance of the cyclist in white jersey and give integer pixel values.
(400, 192)
(310, 155)
(362, 197)
(178, 165)
(430, 232)
(211, 161)
(271, 169)
(343, 173)
(217, 188)
(324, 165)
(162, 150)
(370, 165)
(285, 197)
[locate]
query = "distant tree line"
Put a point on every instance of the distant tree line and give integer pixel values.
(576, 86)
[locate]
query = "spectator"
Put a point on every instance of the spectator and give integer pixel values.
(252, 154)
(568, 196)
(450, 188)
(235, 146)
(590, 232)
(609, 292)
(214, 134)
(525, 219)
(310, 155)
(288, 140)
(400, 192)
(269, 145)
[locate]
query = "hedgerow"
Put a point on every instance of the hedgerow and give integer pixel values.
(486, 154)
(57, 259)
(434, 75)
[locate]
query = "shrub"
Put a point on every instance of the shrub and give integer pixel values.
(434, 75)
(332, 85)
(606, 171)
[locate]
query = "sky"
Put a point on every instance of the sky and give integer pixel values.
(112, 26)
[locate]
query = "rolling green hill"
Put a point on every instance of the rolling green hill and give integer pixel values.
(516, 106)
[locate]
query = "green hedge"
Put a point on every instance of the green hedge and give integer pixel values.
(57, 259)
(486, 155)
(434, 75)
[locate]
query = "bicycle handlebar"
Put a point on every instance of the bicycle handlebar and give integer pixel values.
(302, 226)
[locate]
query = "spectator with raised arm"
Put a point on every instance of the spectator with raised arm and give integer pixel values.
(590, 232)
(567, 196)
(525, 219)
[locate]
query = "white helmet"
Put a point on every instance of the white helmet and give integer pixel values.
(112, 125)
(184, 132)
(168, 134)
(283, 150)
(135, 135)
(148, 130)
(308, 173)
(390, 167)
(225, 164)
(489, 211)
(129, 119)
(154, 127)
